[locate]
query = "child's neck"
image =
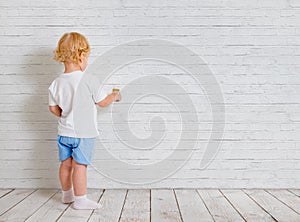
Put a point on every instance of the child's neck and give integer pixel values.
(71, 67)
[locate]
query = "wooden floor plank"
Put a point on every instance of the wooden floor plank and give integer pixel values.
(137, 206)
(219, 207)
(28, 206)
(50, 211)
(12, 199)
(112, 204)
(71, 215)
(4, 192)
(192, 207)
(164, 206)
(246, 206)
(274, 207)
(288, 198)
(155, 205)
(295, 191)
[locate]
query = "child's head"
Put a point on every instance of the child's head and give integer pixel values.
(72, 48)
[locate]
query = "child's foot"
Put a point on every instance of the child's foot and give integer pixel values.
(67, 196)
(82, 203)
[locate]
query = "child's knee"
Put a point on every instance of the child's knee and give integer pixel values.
(67, 163)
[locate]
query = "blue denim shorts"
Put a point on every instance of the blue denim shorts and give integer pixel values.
(80, 149)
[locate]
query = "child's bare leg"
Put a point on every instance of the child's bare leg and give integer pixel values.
(65, 176)
(79, 178)
(79, 183)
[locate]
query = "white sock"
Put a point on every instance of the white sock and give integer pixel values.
(67, 196)
(82, 203)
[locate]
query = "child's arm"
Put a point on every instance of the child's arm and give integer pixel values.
(109, 99)
(56, 110)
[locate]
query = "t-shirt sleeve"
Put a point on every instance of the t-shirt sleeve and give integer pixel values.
(52, 101)
(101, 93)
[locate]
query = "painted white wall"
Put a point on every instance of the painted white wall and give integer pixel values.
(251, 46)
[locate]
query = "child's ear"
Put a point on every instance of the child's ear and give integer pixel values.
(81, 57)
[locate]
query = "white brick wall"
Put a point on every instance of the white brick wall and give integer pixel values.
(251, 46)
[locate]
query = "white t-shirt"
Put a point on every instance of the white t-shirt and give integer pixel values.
(77, 93)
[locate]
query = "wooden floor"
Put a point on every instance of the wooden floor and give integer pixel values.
(155, 205)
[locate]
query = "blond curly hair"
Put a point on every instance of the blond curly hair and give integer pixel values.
(70, 48)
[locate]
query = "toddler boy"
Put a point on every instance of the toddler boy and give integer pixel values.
(75, 149)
